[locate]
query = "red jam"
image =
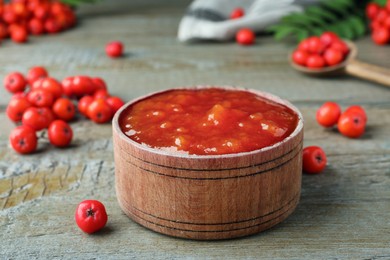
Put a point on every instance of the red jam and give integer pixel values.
(208, 121)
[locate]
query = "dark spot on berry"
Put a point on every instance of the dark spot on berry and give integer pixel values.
(90, 213)
(22, 142)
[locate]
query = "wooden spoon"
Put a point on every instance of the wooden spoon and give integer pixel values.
(350, 66)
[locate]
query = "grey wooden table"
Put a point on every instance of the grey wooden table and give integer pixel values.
(344, 212)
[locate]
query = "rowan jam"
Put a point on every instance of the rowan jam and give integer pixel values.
(208, 121)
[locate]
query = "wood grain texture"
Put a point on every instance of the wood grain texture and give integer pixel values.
(208, 197)
(370, 72)
(342, 214)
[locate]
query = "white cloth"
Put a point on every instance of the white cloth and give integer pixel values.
(209, 19)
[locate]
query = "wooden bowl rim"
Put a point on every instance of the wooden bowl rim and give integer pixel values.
(323, 71)
(266, 95)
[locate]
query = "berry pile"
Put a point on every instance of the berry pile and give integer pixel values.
(41, 102)
(351, 123)
(379, 22)
(19, 18)
(318, 52)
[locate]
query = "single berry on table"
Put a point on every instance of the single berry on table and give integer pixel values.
(114, 49)
(101, 93)
(64, 109)
(99, 83)
(41, 12)
(115, 103)
(60, 133)
(52, 26)
(67, 86)
(237, 12)
(82, 85)
(16, 108)
(245, 36)
(15, 82)
(23, 139)
(19, 35)
(99, 111)
(91, 216)
(328, 114)
(351, 124)
(35, 118)
(358, 109)
(51, 85)
(48, 113)
(84, 103)
(35, 73)
(314, 160)
(35, 26)
(40, 98)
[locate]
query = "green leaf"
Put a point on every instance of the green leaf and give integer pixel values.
(358, 24)
(303, 19)
(346, 31)
(334, 28)
(301, 35)
(317, 31)
(338, 6)
(344, 17)
(274, 28)
(380, 2)
(321, 12)
(284, 32)
(78, 2)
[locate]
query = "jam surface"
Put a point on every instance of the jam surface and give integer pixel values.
(208, 121)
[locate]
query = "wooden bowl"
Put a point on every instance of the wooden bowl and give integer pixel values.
(208, 197)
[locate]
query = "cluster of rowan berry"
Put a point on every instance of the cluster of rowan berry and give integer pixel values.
(19, 18)
(318, 52)
(351, 123)
(379, 22)
(41, 102)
